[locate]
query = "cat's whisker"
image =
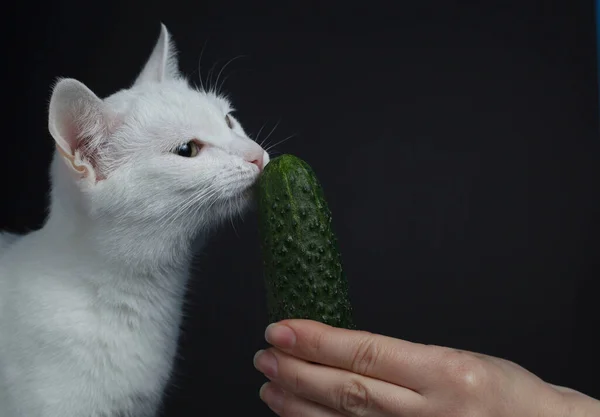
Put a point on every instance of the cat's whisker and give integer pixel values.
(203, 207)
(225, 79)
(239, 212)
(231, 211)
(211, 204)
(200, 65)
(210, 74)
(185, 210)
(207, 197)
(197, 200)
(280, 142)
(217, 87)
(189, 202)
(258, 135)
(272, 130)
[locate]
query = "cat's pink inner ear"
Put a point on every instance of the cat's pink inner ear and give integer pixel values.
(77, 123)
(66, 135)
(83, 169)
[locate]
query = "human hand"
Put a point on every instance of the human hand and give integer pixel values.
(320, 371)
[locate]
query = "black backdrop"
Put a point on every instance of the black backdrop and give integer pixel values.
(457, 144)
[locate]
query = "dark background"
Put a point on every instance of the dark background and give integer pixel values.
(457, 144)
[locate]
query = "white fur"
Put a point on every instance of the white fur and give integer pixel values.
(90, 305)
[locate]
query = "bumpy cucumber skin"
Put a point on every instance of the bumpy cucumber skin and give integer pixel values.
(303, 270)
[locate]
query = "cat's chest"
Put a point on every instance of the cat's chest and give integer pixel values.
(128, 334)
(66, 336)
(114, 335)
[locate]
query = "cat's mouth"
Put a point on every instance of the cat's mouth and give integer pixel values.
(249, 190)
(240, 187)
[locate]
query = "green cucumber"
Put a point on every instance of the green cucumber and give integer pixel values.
(303, 271)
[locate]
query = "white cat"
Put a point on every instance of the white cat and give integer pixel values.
(90, 305)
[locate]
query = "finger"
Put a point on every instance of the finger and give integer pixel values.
(350, 394)
(287, 404)
(407, 364)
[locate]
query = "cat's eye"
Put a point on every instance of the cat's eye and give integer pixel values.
(229, 121)
(187, 150)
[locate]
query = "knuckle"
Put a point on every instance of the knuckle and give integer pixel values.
(291, 374)
(365, 356)
(467, 373)
(290, 407)
(353, 398)
(298, 384)
(315, 342)
(294, 379)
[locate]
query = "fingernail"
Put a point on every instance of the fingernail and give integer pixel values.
(272, 395)
(280, 335)
(266, 363)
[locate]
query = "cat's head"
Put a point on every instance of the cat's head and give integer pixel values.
(160, 154)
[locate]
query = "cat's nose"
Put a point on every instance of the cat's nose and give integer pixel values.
(257, 158)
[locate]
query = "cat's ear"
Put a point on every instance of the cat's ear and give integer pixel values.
(162, 63)
(79, 122)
